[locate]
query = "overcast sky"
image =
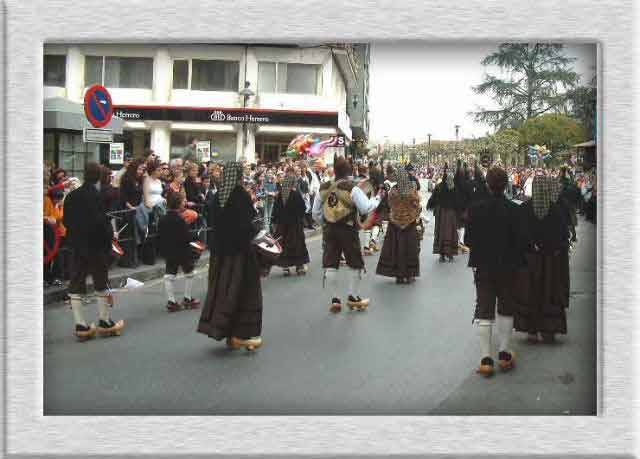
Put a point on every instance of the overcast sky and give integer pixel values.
(419, 88)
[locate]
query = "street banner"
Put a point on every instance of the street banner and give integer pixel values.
(203, 150)
(116, 153)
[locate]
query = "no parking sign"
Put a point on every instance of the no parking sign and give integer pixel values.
(98, 106)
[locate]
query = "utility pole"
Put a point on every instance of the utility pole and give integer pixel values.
(429, 151)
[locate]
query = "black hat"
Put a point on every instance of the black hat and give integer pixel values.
(127, 156)
(409, 168)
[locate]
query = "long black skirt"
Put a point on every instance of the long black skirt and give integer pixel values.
(294, 246)
(445, 237)
(541, 294)
(234, 299)
(400, 256)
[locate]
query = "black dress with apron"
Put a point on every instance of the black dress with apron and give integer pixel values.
(234, 299)
(288, 219)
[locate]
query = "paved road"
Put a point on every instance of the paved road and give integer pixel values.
(412, 352)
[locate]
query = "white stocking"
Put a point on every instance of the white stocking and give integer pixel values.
(461, 235)
(76, 307)
(504, 326)
(188, 283)
(103, 305)
(484, 333)
(355, 276)
(169, 282)
(331, 281)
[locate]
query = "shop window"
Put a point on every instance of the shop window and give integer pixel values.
(119, 72)
(289, 78)
(181, 74)
(55, 70)
(212, 75)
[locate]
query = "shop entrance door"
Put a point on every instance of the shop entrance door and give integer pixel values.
(271, 152)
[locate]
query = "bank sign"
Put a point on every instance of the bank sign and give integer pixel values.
(224, 115)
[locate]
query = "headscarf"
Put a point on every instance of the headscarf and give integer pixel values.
(404, 185)
(289, 182)
(231, 178)
(450, 180)
(545, 191)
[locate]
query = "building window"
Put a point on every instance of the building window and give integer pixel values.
(289, 78)
(73, 154)
(181, 74)
(119, 72)
(55, 70)
(209, 75)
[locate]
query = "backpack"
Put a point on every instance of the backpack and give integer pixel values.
(337, 204)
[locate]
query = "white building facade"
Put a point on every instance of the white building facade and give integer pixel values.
(248, 101)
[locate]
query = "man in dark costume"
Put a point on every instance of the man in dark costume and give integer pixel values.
(288, 220)
(233, 308)
(496, 243)
(90, 235)
(338, 209)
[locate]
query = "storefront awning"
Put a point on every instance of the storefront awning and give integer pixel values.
(60, 113)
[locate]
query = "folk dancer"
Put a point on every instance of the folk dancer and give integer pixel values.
(338, 209)
(288, 220)
(400, 252)
(444, 203)
(233, 308)
(90, 236)
(496, 243)
(544, 286)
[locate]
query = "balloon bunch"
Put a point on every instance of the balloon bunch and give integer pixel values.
(306, 145)
(539, 152)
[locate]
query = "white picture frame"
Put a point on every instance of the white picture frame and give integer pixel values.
(28, 25)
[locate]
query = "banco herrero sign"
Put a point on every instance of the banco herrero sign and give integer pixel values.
(224, 115)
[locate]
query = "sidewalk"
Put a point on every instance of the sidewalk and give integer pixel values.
(143, 273)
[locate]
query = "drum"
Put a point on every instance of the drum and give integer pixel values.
(267, 249)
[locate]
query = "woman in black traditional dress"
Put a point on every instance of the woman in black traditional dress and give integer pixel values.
(288, 219)
(233, 309)
(543, 288)
(444, 202)
(400, 251)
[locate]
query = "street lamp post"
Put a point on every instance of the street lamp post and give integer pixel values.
(429, 151)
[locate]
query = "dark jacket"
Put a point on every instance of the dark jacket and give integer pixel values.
(233, 225)
(495, 234)
(444, 198)
(88, 228)
(130, 192)
(174, 236)
(193, 191)
(290, 212)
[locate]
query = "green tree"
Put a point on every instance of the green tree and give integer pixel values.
(505, 144)
(538, 77)
(558, 132)
(582, 103)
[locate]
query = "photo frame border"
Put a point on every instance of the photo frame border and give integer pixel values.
(28, 25)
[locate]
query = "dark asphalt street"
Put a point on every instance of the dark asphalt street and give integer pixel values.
(413, 352)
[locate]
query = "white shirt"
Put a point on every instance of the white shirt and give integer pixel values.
(152, 192)
(364, 205)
